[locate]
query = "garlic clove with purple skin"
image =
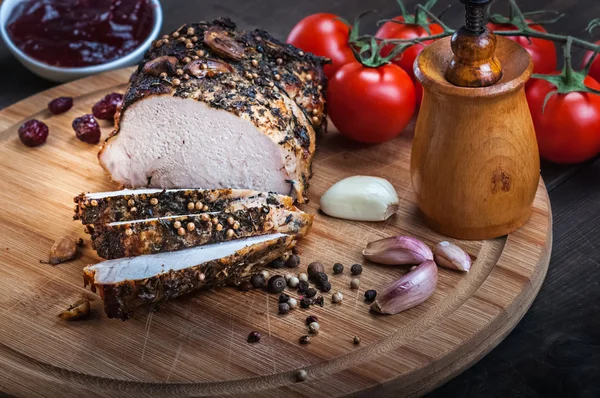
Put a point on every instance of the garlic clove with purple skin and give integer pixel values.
(409, 291)
(397, 250)
(448, 255)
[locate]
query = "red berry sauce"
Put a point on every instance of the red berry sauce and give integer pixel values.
(75, 33)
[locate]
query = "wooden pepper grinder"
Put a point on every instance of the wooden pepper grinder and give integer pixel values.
(474, 165)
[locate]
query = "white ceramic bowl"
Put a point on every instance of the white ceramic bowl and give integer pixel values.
(59, 74)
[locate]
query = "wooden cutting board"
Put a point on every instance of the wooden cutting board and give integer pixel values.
(196, 345)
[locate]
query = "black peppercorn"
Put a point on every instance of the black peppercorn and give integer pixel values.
(276, 284)
(293, 261)
(338, 268)
(320, 277)
(356, 269)
(257, 281)
(310, 319)
(245, 286)
(310, 292)
(283, 298)
(277, 263)
(325, 286)
(304, 339)
(370, 295)
(254, 337)
(314, 268)
(295, 250)
(284, 308)
(356, 340)
(302, 286)
(319, 300)
(305, 302)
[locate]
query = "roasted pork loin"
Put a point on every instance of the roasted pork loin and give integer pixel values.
(213, 107)
(127, 283)
(129, 205)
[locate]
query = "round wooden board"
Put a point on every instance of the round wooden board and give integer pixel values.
(196, 345)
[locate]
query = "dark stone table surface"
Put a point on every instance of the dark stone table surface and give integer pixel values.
(555, 350)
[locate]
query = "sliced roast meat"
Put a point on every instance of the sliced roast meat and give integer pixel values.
(154, 235)
(127, 283)
(129, 205)
(239, 111)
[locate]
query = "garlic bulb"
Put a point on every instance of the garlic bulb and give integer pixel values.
(409, 291)
(360, 198)
(397, 250)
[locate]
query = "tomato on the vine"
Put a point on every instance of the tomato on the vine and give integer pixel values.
(595, 67)
(406, 60)
(543, 52)
(568, 126)
(370, 104)
(325, 35)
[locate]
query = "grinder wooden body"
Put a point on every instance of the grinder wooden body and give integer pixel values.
(475, 165)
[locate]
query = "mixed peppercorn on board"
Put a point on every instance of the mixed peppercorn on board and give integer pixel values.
(198, 344)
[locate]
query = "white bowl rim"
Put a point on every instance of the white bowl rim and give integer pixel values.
(8, 5)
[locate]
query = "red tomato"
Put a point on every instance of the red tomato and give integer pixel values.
(323, 35)
(543, 52)
(370, 105)
(595, 69)
(392, 30)
(568, 130)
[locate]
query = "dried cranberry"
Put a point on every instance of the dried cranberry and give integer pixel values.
(60, 105)
(33, 133)
(106, 108)
(87, 129)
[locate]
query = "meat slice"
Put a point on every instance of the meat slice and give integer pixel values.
(154, 235)
(127, 283)
(129, 205)
(212, 107)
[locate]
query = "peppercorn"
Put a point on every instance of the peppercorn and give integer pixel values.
(310, 292)
(293, 261)
(295, 250)
(305, 302)
(325, 287)
(310, 319)
(305, 339)
(314, 327)
(338, 268)
(314, 268)
(354, 283)
(288, 277)
(276, 284)
(302, 286)
(284, 308)
(277, 263)
(245, 286)
(301, 375)
(283, 298)
(265, 274)
(370, 295)
(319, 278)
(337, 297)
(303, 277)
(292, 303)
(293, 282)
(356, 340)
(319, 300)
(257, 281)
(356, 269)
(254, 337)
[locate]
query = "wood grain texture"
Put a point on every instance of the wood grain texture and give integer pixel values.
(475, 164)
(195, 346)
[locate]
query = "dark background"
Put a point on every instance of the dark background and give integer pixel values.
(555, 349)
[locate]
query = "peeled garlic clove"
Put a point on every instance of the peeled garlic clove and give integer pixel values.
(397, 250)
(409, 291)
(360, 198)
(448, 255)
